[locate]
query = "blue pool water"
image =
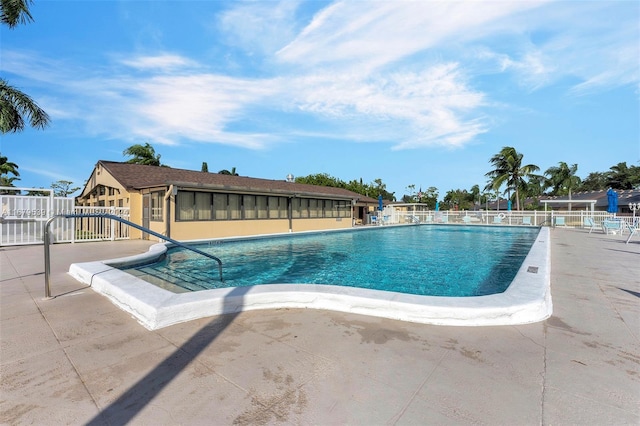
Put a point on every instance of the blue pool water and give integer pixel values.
(458, 261)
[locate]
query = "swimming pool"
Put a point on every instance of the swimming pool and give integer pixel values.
(527, 299)
(424, 260)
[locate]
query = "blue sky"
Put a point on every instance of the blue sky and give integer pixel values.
(411, 92)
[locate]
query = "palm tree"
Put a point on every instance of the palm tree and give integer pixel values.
(14, 12)
(142, 154)
(6, 168)
(508, 170)
(475, 193)
(595, 181)
(227, 172)
(622, 177)
(562, 179)
(16, 106)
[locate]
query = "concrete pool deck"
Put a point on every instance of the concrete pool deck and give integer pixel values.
(78, 359)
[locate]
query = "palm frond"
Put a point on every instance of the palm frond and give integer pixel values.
(15, 106)
(14, 12)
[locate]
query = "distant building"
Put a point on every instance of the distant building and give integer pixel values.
(579, 201)
(188, 205)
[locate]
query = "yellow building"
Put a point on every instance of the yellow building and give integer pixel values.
(188, 205)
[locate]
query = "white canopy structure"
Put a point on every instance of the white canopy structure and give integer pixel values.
(592, 202)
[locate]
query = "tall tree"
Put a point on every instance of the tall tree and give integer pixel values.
(622, 177)
(562, 179)
(62, 188)
(411, 196)
(475, 194)
(509, 171)
(205, 167)
(8, 168)
(142, 154)
(458, 199)
(15, 106)
(429, 197)
(380, 188)
(595, 181)
(320, 179)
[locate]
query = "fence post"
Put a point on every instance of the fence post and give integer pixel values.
(73, 225)
(112, 228)
(47, 258)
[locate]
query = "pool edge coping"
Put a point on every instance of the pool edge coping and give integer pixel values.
(526, 300)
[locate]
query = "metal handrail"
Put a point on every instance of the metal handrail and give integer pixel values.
(47, 242)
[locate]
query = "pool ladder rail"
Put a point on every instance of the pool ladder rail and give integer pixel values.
(47, 243)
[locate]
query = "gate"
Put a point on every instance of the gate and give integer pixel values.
(23, 219)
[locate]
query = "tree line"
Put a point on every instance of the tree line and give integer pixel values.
(517, 182)
(508, 179)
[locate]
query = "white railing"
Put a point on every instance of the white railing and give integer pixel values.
(98, 228)
(559, 218)
(23, 218)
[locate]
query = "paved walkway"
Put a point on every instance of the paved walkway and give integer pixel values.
(78, 359)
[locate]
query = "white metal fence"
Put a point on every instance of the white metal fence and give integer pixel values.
(563, 218)
(23, 219)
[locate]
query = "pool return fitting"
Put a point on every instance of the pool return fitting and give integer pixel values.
(47, 243)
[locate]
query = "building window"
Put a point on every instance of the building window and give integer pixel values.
(328, 208)
(157, 199)
(235, 206)
(198, 205)
(249, 206)
(314, 209)
(261, 203)
(304, 208)
(344, 209)
(185, 205)
(295, 208)
(274, 208)
(220, 206)
(202, 206)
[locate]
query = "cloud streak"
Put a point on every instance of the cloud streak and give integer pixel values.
(405, 73)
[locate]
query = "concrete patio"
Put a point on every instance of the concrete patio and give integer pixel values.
(78, 359)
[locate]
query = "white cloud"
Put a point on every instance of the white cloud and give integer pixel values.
(398, 72)
(259, 27)
(594, 42)
(47, 172)
(373, 34)
(419, 109)
(169, 108)
(158, 62)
